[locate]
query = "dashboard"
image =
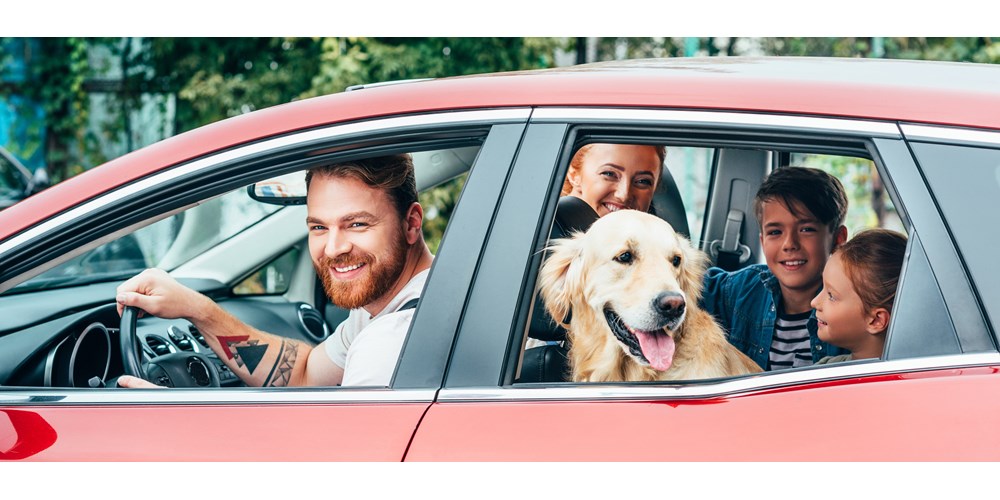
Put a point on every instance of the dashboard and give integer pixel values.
(63, 339)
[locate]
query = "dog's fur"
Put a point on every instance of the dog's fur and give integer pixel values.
(646, 292)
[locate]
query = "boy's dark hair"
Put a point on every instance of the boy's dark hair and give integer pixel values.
(821, 193)
(392, 174)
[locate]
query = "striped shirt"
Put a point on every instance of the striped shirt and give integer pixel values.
(790, 347)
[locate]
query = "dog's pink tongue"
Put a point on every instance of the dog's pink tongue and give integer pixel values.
(657, 347)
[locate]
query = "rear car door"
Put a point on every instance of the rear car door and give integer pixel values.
(940, 356)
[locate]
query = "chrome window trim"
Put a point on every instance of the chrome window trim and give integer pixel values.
(867, 128)
(254, 396)
(726, 388)
(949, 134)
(401, 122)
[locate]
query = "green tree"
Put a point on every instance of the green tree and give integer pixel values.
(357, 60)
(56, 69)
(216, 78)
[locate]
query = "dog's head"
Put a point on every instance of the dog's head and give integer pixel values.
(634, 276)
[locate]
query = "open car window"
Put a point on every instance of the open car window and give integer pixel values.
(704, 184)
(165, 244)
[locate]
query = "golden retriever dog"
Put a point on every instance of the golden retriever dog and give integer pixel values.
(632, 287)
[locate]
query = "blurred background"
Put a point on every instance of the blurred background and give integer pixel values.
(69, 104)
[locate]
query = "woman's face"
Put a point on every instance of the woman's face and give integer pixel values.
(614, 177)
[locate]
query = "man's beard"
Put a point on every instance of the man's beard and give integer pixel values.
(379, 277)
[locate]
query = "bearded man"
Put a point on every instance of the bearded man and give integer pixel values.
(367, 246)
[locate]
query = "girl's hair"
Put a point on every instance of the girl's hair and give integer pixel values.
(577, 162)
(873, 260)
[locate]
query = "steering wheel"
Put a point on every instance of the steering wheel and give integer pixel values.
(178, 369)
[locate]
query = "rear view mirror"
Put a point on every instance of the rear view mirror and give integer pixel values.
(288, 189)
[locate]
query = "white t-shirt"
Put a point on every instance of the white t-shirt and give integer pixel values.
(366, 347)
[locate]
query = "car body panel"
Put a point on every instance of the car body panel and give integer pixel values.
(884, 418)
(251, 433)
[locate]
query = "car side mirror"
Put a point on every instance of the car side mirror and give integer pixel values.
(39, 181)
(288, 189)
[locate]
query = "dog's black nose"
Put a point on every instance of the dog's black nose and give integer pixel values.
(669, 304)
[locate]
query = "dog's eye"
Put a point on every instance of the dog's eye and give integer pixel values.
(676, 261)
(624, 258)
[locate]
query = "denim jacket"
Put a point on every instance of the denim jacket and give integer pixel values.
(744, 302)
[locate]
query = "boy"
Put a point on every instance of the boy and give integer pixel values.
(766, 308)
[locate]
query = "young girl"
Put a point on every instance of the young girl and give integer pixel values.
(859, 287)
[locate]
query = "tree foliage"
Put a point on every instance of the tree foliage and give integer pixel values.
(352, 61)
(55, 72)
(216, 78)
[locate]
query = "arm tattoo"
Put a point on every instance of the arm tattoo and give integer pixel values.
(281, 372)
(243, 351)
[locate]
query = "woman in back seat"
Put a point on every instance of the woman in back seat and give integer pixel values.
(611, 177)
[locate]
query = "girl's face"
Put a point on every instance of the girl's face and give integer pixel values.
(614, 177)
(840, 313)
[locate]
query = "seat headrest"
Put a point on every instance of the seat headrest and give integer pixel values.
(572, 214)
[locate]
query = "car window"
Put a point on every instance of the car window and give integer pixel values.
(691, 168)
(11, 181)
(868, 203)
(165, 244)
(696, 171)
(965, 181)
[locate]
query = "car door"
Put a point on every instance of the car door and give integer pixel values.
(920, 401)
(237, 423)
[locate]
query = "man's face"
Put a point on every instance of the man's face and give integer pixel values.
(796, 246)
(356, 240)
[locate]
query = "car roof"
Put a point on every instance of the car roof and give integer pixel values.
(959, 94)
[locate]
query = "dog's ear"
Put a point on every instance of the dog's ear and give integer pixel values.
(693, 269)
(561, 276)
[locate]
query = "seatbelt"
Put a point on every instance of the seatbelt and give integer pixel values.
(730, 254)
(410, 304)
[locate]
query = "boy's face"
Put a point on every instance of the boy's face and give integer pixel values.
(796, 246)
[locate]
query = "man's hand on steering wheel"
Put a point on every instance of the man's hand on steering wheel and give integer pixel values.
(156, 292)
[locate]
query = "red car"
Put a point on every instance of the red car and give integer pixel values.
(919, 140)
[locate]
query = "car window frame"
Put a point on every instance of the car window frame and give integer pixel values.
(921, 136)
(463, 382)
(428, 342)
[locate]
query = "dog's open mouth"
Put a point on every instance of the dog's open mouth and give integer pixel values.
(654, 347)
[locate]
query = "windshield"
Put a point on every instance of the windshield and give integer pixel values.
(165, 244)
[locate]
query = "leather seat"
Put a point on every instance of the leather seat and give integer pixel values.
(548, 363)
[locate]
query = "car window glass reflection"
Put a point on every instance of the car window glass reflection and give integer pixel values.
(165, 244)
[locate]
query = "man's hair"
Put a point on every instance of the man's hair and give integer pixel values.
(821, 193)
(872, 261)
(392, 174)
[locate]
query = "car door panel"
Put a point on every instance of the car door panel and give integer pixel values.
(277, 424)
(213, 432)
(888, 417)
(476, 419)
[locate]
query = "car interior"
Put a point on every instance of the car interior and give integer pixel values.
(245, 249)
(707, 191)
